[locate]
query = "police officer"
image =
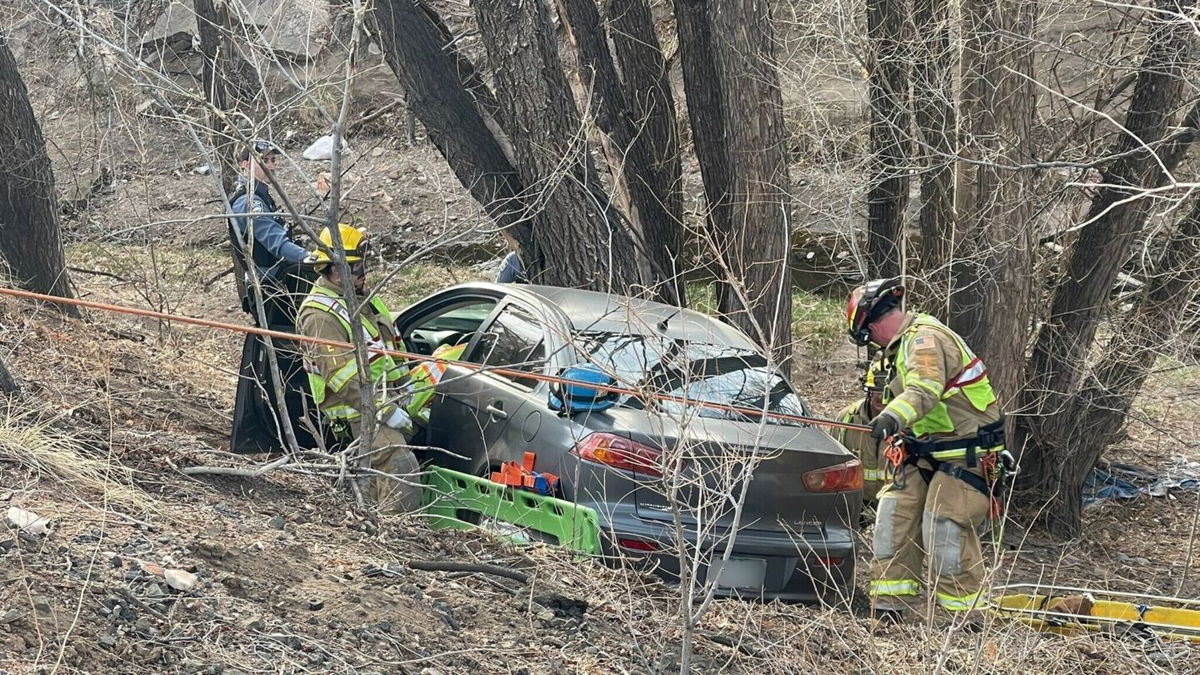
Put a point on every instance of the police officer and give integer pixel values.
(333, 372)
(257, 233)
(938, 398)
(263, 234)
(867, 449)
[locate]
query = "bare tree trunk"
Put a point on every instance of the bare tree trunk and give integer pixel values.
(213, 50)
(652, 114)
(992, 305)
(1100, 409)
(1116, 216)
(758, 298)
(628, 143)
(587, 243)
(888, 93)
(708, 127)
(933, 109)
(458, 112)
(29, 232)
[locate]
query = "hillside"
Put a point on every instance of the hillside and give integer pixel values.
(283, 572)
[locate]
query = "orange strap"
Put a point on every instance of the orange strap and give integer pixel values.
(409, 356)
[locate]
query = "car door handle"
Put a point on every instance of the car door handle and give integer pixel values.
(496, 411)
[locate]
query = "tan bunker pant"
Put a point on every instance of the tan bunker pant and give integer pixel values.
(391, 456)
(938, 520)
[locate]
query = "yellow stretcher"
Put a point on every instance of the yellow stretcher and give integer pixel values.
(1110, 612)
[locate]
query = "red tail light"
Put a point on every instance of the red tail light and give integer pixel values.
(621, 453)
(637, 545)
(837, 478)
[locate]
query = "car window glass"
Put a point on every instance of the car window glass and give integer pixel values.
(449, 325)
(513, 341)
(691, 370)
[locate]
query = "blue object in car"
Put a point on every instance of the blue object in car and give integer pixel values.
(576, 396)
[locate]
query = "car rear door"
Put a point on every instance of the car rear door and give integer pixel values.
(489, 414)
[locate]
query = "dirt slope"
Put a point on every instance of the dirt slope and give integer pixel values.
(291, 578)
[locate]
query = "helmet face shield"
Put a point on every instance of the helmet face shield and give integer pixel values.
(856, 316)
(869, 302)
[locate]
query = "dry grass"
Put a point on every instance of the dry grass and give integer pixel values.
(29, 439)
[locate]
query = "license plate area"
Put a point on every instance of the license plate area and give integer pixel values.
(743, 574)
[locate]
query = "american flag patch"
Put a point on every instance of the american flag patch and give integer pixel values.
(920, 341)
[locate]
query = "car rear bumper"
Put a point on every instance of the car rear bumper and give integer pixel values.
(796, 566)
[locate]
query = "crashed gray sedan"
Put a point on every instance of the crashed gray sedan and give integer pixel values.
(772, 502)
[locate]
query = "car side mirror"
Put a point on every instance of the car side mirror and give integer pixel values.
(582, 390)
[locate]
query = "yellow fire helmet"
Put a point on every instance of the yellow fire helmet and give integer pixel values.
(354, 241)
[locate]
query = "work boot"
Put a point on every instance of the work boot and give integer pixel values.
(882, 618)
(971, 621)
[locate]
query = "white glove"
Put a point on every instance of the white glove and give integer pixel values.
(399, 419)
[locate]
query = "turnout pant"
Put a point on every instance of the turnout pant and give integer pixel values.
(937, 521)
(390, 455)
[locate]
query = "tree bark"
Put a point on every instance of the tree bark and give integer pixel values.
(758, 293)
(458, 112)
(888, 94)
(624, 110)
(29, 230)
(992, 305)
(585, 242)
(1114, 220)
(1100, 410)
(651, 111)
(213, 51)
(709, 142)
(934, 114)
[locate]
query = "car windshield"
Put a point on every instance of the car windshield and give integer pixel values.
(693, 371)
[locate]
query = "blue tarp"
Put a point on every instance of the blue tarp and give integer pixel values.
(1126, 481)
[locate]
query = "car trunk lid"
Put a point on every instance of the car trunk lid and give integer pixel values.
(718, 457)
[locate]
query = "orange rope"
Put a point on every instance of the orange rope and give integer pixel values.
(408, 356)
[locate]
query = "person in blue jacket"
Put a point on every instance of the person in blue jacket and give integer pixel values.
(261, 238)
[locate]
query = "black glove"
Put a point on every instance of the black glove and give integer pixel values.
(884, 426)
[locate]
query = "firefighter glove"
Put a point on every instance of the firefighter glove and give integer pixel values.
(399, 419)
(884, 426)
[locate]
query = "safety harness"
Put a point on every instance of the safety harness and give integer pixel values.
(996, 463)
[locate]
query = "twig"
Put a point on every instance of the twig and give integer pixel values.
(478, 568)
(99, 273)
(233, 471)
(358, 124)
(722, 639)
(213, 279)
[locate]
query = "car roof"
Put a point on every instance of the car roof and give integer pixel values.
(597, 312)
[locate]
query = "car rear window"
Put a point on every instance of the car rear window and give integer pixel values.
(693, 371)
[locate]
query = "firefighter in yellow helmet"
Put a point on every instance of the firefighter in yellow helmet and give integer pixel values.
(333, 372)
(939, 400)
(868, 450)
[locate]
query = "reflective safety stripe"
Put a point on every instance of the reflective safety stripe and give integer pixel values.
(972, 373)
(958, 603)
(873, 474)
(343, 376)
(382, 368)
(907, 412)
(331, 305)
(932, 386)
(961, 453)
(341, 412)
(894, 587)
